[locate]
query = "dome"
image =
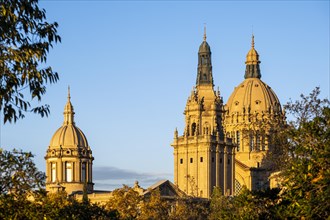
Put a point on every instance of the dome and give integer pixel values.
(253, 95)
(68, 135)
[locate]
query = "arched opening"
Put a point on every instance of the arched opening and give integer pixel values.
(53, 172)
(83, 172)
(193, 129)
(68, 171)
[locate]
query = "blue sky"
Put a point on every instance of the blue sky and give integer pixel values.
(132, 64)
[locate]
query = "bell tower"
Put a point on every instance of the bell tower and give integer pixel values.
(203, 158)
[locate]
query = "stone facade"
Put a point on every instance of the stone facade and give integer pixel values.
(203, 158)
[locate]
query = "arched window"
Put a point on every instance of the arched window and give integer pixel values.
(83, 172)
(193, 129)
(206, 129)
(68, 171)
(53, 172)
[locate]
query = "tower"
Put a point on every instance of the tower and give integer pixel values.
(252, 114)
(203, 158)
(69, 158)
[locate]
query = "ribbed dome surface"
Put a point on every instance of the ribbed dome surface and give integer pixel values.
(253, 95)
(68, 136)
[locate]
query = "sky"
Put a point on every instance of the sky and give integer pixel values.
(131, 66)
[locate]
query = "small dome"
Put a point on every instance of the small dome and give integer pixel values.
(69, 136)
(253, 95)
(252, 56)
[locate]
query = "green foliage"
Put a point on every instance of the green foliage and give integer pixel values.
(247, 205)
(306, 176)
(22, 194)
(154, 207)
(221, 206)
(25, 40)
(126, 202)
(19, 175)
(189, 208)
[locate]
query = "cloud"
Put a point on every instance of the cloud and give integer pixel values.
(109, 178)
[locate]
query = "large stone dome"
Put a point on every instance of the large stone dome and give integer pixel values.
(253, 96)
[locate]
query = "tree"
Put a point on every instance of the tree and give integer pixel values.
(306, 176)
(190, 208)
(220, 206)
(19, 181)
(19, 175)
(154, 207)
(25, 40)
(125, 201)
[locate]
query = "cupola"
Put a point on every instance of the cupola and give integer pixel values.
(69, 158)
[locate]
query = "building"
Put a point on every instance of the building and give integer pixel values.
(224, 146)
(203, 157)
(252, 115)
(69, 164)
(69, 159)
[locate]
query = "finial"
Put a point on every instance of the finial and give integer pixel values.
(68, 110)
(69, 97)
(252, 40)
(204, 31)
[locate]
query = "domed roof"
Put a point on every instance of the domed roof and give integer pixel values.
(253, 95)
(252, 56)
(68, 135)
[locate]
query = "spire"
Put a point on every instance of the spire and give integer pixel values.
(252, 63)
(204, 69)
(68, 111)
